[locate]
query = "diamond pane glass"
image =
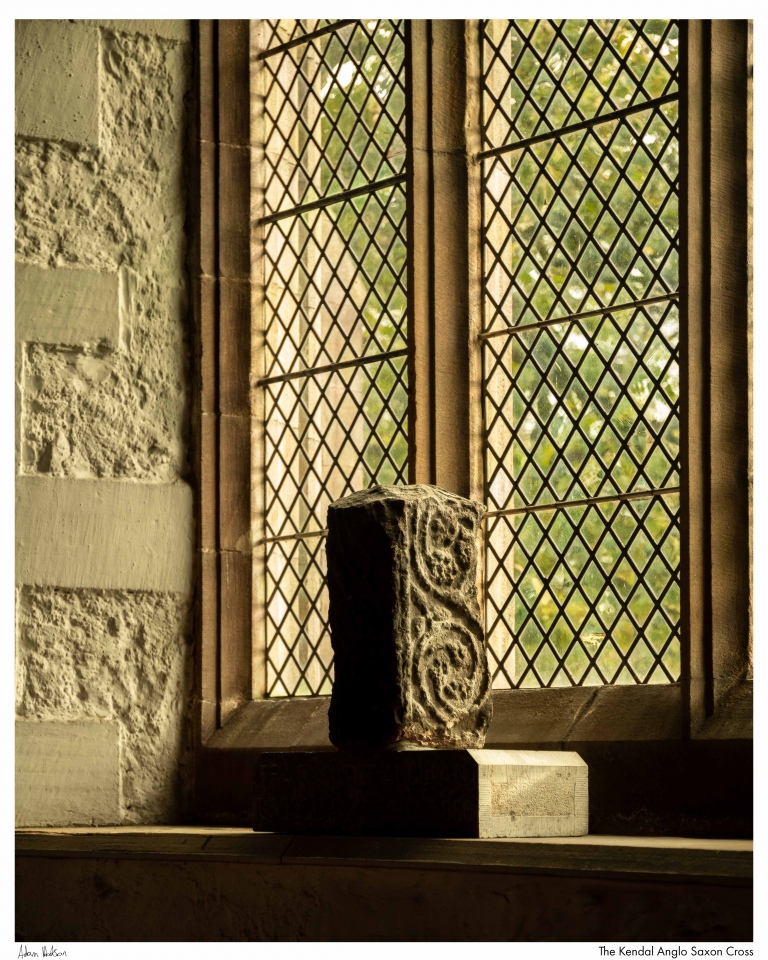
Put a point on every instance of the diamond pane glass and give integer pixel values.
(581, 347)
(330, 434)
(333, 113)
(335, 282)
(586, 594)
(334, 338)
(582, 221)
(584, 408)
(542, 75)
(299, 654)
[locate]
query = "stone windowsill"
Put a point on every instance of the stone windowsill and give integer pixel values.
(631, 858)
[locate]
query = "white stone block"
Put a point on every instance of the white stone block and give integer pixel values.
(67, 773)
(57, 81)
(532, 793)
(104, 534)
(66, 306)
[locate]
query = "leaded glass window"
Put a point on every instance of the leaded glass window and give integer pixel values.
(333, 255)
(580, 163)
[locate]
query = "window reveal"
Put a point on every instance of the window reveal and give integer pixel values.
(580, 350)
(334, 306)
(711, 698)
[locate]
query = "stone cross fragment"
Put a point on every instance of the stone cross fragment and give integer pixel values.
(409, 650)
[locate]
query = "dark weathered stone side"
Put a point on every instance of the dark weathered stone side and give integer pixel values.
(415, 793)
(363, 579)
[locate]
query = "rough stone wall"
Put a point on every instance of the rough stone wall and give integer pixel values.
(102, 372)
(92, 411)
(111, 655)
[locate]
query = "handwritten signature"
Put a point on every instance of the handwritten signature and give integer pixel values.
(47, 952)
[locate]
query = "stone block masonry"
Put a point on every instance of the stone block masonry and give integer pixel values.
(117, 658)
(104, 534)
(64, 306)
(67, 773)
(118, 212)
(57, 81)
(104, 509)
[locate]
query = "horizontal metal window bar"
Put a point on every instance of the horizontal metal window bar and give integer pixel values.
(295, 536)
(330, 367)
(336, 198)
(297, 41)
(575, 127)
(615, 308)
(587, 501)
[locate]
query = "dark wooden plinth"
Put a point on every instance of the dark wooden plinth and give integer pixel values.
(421, 793)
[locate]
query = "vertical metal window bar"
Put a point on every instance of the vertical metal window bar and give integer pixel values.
(581, 350)
(334, 250)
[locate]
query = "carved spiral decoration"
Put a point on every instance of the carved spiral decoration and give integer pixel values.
(445, 548)
(449, 670)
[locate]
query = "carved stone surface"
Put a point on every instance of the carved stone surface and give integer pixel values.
(409, 650)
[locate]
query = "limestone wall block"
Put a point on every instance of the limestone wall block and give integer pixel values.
(104, 534)
(67, 773)
(66, 306)
(57, 81)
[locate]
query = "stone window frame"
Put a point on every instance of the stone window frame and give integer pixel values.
(699, 729)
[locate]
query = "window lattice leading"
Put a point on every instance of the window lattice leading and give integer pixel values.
(580, 350)
(334, 261)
